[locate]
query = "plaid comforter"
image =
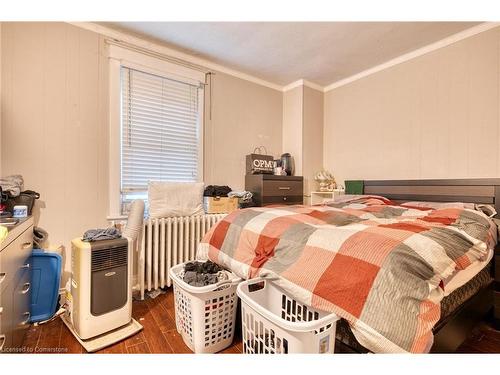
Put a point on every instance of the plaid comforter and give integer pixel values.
(374, 263)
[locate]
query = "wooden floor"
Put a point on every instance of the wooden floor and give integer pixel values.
(160, 336)
(483, 339)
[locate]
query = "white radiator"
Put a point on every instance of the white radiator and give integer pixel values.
(167, 242)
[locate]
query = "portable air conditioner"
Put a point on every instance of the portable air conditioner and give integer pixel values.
(101, 289)
(99, 298)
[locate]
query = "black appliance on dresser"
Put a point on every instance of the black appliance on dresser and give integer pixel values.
(270, 189)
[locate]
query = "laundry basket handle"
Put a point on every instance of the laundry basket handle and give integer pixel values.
(268, 277)
(226, 282)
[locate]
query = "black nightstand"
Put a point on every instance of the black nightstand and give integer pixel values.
(270, 189)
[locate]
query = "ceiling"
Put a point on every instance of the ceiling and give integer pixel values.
(283, 52)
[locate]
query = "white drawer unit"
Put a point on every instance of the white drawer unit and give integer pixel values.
(15, 285)
(319, 197)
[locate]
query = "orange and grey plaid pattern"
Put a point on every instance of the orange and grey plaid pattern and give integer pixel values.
(372, 262)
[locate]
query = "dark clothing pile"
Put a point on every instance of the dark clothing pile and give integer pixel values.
(202, 273)
(248, 204)
(203, 267)
(216, 191)
(101, 234)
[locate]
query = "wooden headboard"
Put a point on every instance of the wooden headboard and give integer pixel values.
(478, 190)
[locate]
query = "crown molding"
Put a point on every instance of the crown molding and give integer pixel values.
(312, 85)
(158, 48)
(293, 85)
(303, 82)
(143, 43)
(416, 53)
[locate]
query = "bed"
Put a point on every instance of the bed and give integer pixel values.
(379, 262)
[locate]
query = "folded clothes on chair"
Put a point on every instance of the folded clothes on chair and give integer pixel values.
(101, 234)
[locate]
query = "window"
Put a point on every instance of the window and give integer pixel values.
(160, 132)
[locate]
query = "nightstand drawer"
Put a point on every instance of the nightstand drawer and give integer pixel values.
(282, 188)
(294, 199)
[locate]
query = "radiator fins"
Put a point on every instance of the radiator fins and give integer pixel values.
(167, 242)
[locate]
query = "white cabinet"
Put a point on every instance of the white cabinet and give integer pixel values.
(319, 197)
(15, 285)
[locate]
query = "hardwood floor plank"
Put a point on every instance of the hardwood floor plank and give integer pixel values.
(486, 344)
(50, 336)
(238, 344)
(134, 340)
(493, 335)
(141, 348)
(160, 314)
(233, 349)
(118, 348)
(169, 298)
(465, 349)
(152, 332)
(69, 342)
(176, 342)
(31, 338)
(168, 301)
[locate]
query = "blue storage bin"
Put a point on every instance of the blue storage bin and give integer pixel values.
(46, 276)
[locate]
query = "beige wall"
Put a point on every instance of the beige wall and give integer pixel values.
(312, 134)
(303, 132)
(292, 125)
(244, 115)
(436, 116)
(55, 123)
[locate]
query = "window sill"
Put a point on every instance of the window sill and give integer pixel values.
(116, 217)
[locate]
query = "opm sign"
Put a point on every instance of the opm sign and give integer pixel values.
(258, 163)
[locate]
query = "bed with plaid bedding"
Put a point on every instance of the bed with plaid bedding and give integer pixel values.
(376, 264)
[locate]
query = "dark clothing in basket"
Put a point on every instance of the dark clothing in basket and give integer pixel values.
(202, 273)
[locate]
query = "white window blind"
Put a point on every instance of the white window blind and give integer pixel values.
(160, 132)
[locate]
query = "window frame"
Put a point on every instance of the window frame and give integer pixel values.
(118, 57)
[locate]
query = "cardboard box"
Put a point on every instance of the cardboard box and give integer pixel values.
(219, 205)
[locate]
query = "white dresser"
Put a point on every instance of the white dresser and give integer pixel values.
(15, 285)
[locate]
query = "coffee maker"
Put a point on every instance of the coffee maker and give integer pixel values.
(287, 163)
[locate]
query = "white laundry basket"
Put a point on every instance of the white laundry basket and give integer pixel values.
(275, 323)
(205, 316)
